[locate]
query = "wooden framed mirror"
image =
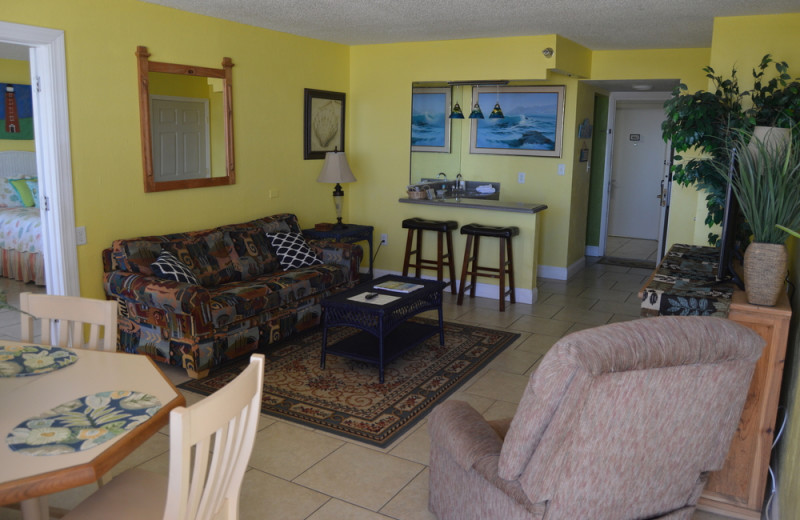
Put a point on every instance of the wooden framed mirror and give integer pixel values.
(186, 117)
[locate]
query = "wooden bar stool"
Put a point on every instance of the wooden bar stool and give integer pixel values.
(444, 229)
(476, 231)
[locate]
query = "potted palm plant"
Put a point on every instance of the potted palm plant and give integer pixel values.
(766, 185)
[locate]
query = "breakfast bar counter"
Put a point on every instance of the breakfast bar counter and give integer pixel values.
(473, 203)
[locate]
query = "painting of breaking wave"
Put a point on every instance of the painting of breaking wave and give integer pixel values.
(530, 121)
(428, 119)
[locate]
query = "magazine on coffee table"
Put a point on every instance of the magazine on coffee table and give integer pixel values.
(396, 286)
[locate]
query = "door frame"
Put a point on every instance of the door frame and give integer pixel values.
(613, 98)
(53, 159)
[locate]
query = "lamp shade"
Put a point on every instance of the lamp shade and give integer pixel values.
(336, 169)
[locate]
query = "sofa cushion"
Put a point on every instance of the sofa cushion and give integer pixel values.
(292, 250)
(250, 252)
(207, 257)
(268, 293)
(168, 267)
(136, 256)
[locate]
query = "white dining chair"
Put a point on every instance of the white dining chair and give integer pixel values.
(72, 313)
(199, 486)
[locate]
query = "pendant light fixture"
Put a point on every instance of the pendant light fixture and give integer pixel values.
(497, 112)
(476, 112)
(456, 113)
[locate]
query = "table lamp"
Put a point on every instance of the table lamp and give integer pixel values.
(336, 170)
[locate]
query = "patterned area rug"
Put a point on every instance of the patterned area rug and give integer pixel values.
(345, 398)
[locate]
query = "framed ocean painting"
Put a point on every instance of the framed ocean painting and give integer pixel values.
(533, 122)
(430, 124)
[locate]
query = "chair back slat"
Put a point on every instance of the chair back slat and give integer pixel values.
(204, 483)
(69, 315)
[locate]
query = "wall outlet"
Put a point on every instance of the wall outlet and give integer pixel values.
(562, 169)
(385, 239)
(521, 177)
(274, 194)
(80, 235)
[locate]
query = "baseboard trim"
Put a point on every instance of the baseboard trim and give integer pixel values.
(560, 273)
(593, 251)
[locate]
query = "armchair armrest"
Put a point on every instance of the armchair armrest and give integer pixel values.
(170, 296)
(459, 429)
(347, 255)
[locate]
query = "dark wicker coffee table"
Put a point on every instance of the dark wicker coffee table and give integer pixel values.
(385, 330)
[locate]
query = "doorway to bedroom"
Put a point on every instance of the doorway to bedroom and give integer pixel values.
(21, 246)
(47, 58)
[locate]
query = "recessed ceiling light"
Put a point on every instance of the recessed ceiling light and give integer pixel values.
(642, 86)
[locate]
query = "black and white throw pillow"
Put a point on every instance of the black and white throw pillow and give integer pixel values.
(168, 266)
(292, 250)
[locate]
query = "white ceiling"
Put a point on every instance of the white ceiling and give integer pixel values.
(596, 24)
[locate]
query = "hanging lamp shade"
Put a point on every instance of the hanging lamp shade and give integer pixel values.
(456, 113)
(476, 112)
(497, 112)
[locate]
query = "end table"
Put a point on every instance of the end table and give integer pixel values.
(352, 233)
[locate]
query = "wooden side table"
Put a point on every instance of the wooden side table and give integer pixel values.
(352, 233)
(737, 490)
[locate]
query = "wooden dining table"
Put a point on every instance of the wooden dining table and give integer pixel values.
(29, 478)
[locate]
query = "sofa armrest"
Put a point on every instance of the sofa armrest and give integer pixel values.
(347, 255)
(459, 429)
(170, 296)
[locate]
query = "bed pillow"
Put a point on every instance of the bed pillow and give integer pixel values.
(168, 267)
(33, 185)
(292, 250)
(22, 189)
(8, 196)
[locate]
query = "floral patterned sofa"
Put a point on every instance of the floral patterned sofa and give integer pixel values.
(244, 299)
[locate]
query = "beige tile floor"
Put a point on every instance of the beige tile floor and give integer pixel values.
(299, 473)
(635, 248)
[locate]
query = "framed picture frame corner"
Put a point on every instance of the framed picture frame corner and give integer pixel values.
(323, 122)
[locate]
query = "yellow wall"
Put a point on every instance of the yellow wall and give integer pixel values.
(270, 71)
(779, 36)
(381, 82)
(16, 71)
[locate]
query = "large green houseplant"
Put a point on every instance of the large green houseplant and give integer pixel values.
(766, 184)
(705, 122)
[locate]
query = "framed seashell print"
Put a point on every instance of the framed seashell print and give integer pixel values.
(323, 124)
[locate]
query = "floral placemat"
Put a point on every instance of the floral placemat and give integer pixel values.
(32, 360)
(83, 423)
(685, 284)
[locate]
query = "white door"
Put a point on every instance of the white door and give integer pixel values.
(638, 190)
(180, 138)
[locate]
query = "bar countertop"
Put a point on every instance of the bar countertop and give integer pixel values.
(495, 205)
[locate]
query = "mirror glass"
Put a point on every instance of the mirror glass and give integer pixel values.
(187, 124)
(435, 140)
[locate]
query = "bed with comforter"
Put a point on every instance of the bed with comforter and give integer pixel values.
(20, 221)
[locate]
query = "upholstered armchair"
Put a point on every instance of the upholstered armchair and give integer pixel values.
(623, 421)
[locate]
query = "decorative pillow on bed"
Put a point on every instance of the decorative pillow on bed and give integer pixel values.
(170, 268)
(22, 189)
(8, 196)
(33, 185)
(292, 250)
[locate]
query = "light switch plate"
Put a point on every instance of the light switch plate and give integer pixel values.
(80, 235)
(521, 177)
(562, 169)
